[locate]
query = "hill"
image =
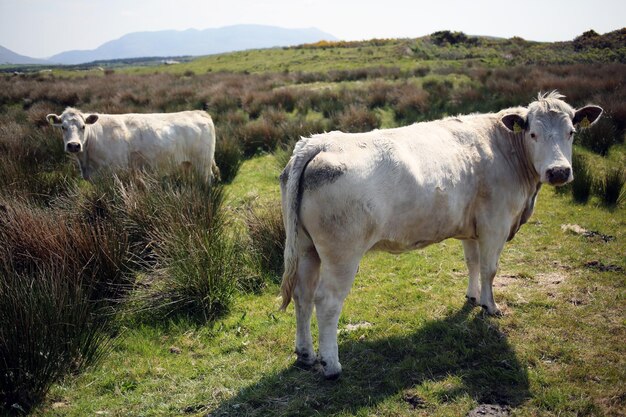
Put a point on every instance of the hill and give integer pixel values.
(193, 42)
(7, 56)
(437, 50)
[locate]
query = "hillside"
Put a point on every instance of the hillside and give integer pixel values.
(7, 56)
(440, 49)
(193, 42)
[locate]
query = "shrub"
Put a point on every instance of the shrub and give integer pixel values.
(48, 328)
(411, 104)
(357, 119)
(57, 275)
(259, 135)
(228, 157)
(600, 137)
(199, 263)
(33, 164)
(581, 185)
(612, 186)
(267, 235)
(378, 94)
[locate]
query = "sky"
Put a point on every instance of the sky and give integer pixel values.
(42, 28)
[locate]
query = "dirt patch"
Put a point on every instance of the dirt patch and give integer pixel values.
(551, 279)
(414, 400)
(490, 410)
(349, 328)
(589, 234)
(505, 280)
(597, 265)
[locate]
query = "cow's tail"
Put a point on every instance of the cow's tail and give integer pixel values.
(303, 153)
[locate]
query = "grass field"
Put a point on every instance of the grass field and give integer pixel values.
(408, 343)
(157, 296)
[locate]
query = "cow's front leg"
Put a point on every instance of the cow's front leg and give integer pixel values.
(472, 259)
(334, 287)
(490, 249)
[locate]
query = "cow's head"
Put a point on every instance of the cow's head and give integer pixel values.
(549, 126)
(73, 124)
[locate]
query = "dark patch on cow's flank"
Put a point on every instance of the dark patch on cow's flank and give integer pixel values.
(317, 175)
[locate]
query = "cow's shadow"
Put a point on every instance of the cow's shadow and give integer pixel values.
(460, 355)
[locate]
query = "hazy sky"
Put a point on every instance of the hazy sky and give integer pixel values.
(41, 28)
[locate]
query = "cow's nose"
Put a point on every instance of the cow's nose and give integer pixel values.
(73, 147)
(558, 175)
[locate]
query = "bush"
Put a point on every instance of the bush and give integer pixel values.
(612, 186)
(267, 235)
(259, 135)
(357, 119)
(33, 164)
(411, 104)
(600, 137)
(583, 180)
(57, 276)
(199, 264)
(48, 328)
(228, 157)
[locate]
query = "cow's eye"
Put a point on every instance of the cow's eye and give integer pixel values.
(571, 132)
(62, 127)
(532, 135)
(82, 127)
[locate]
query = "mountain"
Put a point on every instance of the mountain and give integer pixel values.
(9, 57)
(193, 42)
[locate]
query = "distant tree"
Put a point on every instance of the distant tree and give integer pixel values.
(446, 37)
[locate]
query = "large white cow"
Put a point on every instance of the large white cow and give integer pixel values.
(473, 178)
(136, 140)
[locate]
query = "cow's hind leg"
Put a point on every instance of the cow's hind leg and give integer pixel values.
(336, 281)
(304, 291)
(472, 259)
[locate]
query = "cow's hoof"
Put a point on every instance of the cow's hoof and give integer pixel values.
(332, 377)
(331, 372)
(471, 300)
(492, 311)
(305, 360)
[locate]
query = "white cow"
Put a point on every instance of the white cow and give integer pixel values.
(135, 140)
(473, 178)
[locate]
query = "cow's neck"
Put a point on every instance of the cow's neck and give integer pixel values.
(86, 156)
(518, 159)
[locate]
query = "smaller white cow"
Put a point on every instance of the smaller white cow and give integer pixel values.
(137, 140)
(474, 178)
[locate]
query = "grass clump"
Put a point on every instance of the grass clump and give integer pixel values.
(197, 260)
(59, 276)
(583, 180)
(612, 189)
(267, 237)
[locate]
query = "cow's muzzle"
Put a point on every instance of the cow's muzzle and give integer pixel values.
(559, 175)
(73, 147)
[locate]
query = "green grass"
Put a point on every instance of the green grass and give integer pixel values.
(405, 54)
(558, 350)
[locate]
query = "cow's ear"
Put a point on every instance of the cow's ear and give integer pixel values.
(53, 119)
(91, 119)
(514, 122)
(587, 116)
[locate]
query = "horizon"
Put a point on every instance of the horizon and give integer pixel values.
(69, 24)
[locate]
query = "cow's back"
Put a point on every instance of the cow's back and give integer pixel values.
(134, 138)
(397, 189)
